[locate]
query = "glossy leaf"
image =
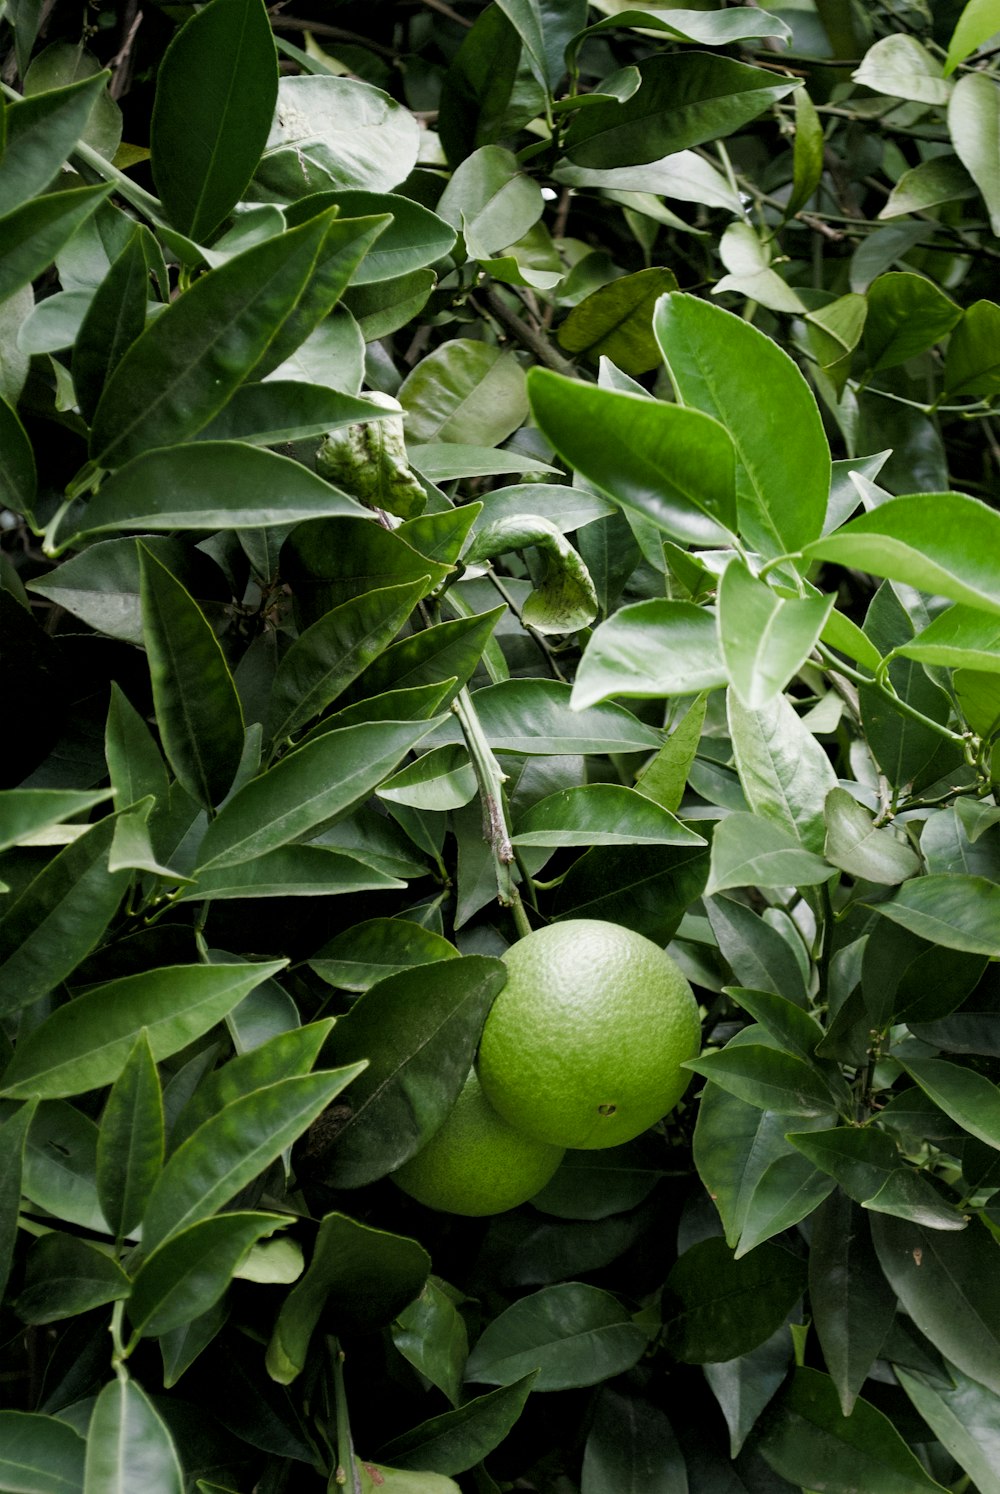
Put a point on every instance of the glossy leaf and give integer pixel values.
(945, 1281)
(306, 789)
(86, 1043)
(958, 638)
(616, 321)
(58, 918)
(967, 1096)
(806, 1431)
(767, 1078)
(900, 66)
(750, 851)
(671, 465)
(35, 232)
(13, 1134)
(964, 1417)
(129, 1444)
(855, 845)
(115, 317)
(41, 132)
(28, 811)
(329, 655)
(971, 364)
(359, 1277)
(464, 391)
(130, 1146)
(906, 314)
(40, 1454)
(491, 201)
(18, 478)
(64, 1276)
(765, 638)
(784, 772)
(431, 1334)
(456, 1440)
(328, 563)
(419, 1029)
(329, 134)
(683, 101)
(761, 958)
(601, 814)
(939, 542)
(191, 358)
(443, 778)
(851, 1309)
(958, 912)
(723, 366)
(572, 1334)
(292, 871)
(631, 1447)
(216, 89)
(185, 1277)
(442, 461)
(650, 649)
(974, 126)
(197, 708)
(285, 410)
(358, 958)
(534, 716)
(233, 1146)
(717, 1307)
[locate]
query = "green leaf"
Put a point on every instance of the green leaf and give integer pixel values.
(431, 1334)
(972, 365)
(443, 461)
(34, 234)
(464, 391)
(683, 101)
(945, 1281)
(40, 1454)
(964, 1417)
(359, 1277)
(358, 958)
(329, 655)
(650, 649)
(233, 1147)
(765, 639)
(443, 778)
(18, 478)
(129, 1445)
(631, 1447)
(851, 1308)
(616, 321)
(285, 410)
(197, 708)
(445, 650)
(572, 1334)
(717, 1307)
(906, 315)
(185, 1277)
(784, 772)
(761, 958)
(419, 1029)
(491, 201)
(456, 1440)
(216, 88)
(534, 716)
(191, 358)
(601, 814)
(65, 1276)
(807, 155)
(722, 365)
(13, 1134)
(27, 812)
(806, 1432)
(130, 1145)
(974, 126)
(566, 507)
(327, 563)
(115, 317)
(857, 847)
(60, 1164)
(968, 1097)
(750, 851)
(416, 237)
(563, 598)
(41, 133)
(86, 1043)
(714, 28)
(307, 789)
(646, 888)
(671, 465)
(933, 182)
(960, 637)
(336, 133)
(979, 20)
(958, 912)
(899, 66)
(292, 871)
(767, 1078)
(58, 918)
(908, 1195)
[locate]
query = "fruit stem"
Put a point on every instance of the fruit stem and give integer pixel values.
(490, 779)
(346, 1474)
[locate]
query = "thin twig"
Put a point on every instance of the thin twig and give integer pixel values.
(519, 329)
(445, 10)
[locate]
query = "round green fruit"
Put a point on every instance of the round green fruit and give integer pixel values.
(476, 1163)
(583, 1046)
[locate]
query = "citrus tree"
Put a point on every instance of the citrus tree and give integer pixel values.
(472, 470)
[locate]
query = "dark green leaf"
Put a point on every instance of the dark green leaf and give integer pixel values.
(432, 1335)
(358, 958)
(972, 365)
(646, 888)
(329, 561)
(64, 1276)
(631, 1448)
(114, 319)
(651, 649)
(750, 851)
(601, 814)
(40, 1453)
(906, 314)
(18, 478)
(596, 1184)
(717, 1307)
(759, 956)
(292, 871)
(851, 1308)
(285, 410)
(129, 1444)
(806, 1432)
(616, 321)
(767, 1078)
(419, 1029)
(13, 1134)
(41, 133)
(964, 1416)
(186, 1276)
(572, 1334)
(216, 89)
(358, 1277)
(958, 912)
(856, 846)
(967, 1096)
(60, 1165)
(86, 1043)
(28, 811)
(534, 716)
(33, 234)
(455, 1441)
(130, 1146)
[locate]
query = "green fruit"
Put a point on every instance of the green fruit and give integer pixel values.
(476, 1163)
(584, 1045)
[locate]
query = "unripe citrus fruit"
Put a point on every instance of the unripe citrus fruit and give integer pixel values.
(583, 1046)
(476, 1163)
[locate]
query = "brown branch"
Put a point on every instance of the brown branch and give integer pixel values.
(521, 331)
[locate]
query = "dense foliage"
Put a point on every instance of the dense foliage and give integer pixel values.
(468, 466)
